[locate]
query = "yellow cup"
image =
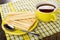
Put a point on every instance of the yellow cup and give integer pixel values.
(47, 16)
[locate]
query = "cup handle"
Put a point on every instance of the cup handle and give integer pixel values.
(58, 11)
(53, 17)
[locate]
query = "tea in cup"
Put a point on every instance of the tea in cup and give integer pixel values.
(47, 12)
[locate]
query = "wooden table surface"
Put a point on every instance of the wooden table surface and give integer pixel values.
(53, 37)
(2, 34)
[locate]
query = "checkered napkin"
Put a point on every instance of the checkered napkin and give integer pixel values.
(44, 29)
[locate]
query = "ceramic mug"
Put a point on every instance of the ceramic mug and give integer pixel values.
(47, 12)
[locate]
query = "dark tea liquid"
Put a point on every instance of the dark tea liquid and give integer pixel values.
(46, 10)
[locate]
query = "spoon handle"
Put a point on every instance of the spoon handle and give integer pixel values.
(11, 28)
(31, 32)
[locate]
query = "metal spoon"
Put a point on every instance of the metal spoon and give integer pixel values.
(11, 28)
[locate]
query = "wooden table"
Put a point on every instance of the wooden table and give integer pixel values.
(2, 34)
(53, 37)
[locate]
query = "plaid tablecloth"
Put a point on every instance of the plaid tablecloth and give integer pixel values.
(44, 29)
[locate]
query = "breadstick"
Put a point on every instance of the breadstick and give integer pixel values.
(17, 25)
(21, 20)
(21, 16)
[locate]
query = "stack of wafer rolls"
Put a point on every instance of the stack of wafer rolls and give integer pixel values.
(21, 20)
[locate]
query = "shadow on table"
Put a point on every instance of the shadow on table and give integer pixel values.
(4, 1)
(2, 33)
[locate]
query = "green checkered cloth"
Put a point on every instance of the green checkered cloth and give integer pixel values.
(44, 29)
